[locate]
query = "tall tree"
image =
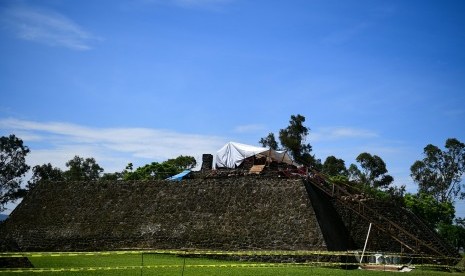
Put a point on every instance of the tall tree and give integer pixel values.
(373, 171)
(429, 209)
(12, 168)
(454, 233)
(81, 169)
(183, 162)
(151, 171)
(112, 176)
(269, 142)
(440, 172)
(45, 172)
(157, 170)
(334, 167)
(293, 139)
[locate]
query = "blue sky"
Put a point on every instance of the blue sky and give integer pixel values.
(147, 80)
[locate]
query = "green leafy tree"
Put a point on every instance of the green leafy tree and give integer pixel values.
(269, 142)
(45, 172)
(157, 170)
(293, 139)
(81, 169)
(334, 167)
(128, 173)
(440, 172)
(373, 171)
(152, 171)
(453, 233)
(12, 168)
(182, 162)
(429, 209)
(129, 167)
(112, 176)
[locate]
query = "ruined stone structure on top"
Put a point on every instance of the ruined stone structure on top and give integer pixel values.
(245, 212)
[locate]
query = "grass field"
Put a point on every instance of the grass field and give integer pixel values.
(166, 264)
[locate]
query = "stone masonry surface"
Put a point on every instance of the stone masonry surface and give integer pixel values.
(237, 213)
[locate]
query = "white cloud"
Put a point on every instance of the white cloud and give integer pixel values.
(344, 35)
(198, 4)
(337, 133)
(249, 128)
(113, 148)
(455, 112)
(47, 27)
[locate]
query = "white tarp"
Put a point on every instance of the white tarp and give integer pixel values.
(233, 154)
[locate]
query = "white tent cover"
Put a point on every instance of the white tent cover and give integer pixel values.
(233, 154)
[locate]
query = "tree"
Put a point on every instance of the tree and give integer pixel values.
(373, 171)
(81, 169)
(45, 172)
(334, 167)
(12, 167)
(454, 233)
(269, 142)
(152, 171)
(157, 170)
(429, 209)
(128, 173)
(112, 176)
(183, 162)
(293, 140)
(440, 172)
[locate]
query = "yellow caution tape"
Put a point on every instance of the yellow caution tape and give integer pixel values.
(210, 252)
(245, 265)
(242, 265)
(213, 252)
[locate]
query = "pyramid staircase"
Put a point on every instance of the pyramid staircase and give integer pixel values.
(413, 235)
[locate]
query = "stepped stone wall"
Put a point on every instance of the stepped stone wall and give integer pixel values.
(358, 229)
(379, 240)
(225, 214)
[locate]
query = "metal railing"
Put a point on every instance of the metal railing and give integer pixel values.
(433, 244)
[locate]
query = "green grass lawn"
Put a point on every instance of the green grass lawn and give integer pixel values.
(165, 264)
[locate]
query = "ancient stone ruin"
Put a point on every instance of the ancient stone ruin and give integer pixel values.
(215, 211)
